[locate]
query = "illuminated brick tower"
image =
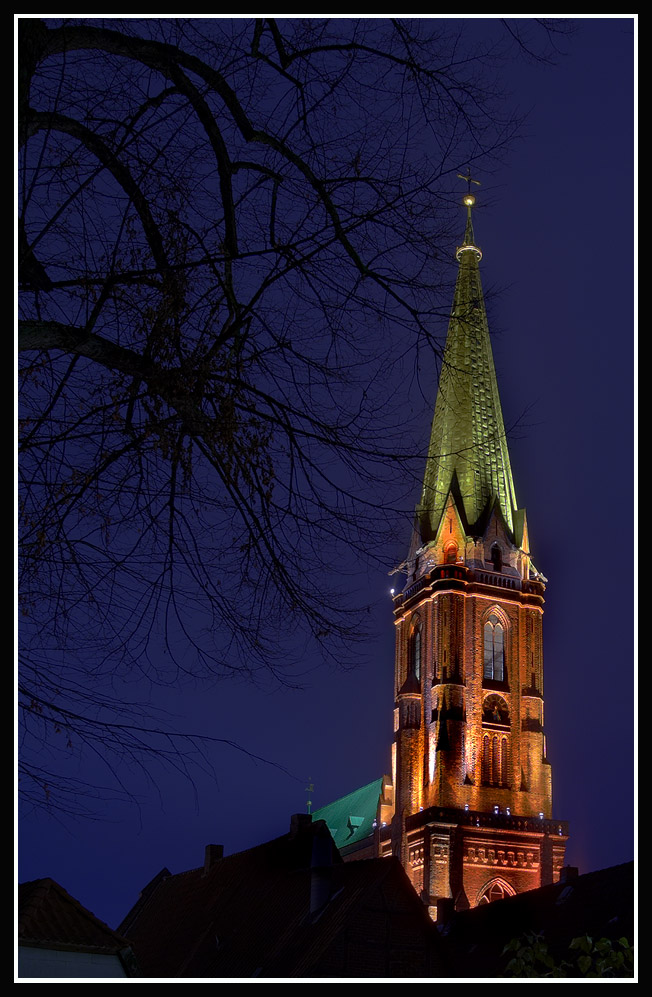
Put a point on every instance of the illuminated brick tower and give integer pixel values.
(469, 808)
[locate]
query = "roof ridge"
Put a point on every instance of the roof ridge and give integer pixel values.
(47, 912)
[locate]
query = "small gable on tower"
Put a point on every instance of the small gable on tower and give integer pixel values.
(450, 543)
(500, 552)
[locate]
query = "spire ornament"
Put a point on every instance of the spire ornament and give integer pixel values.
(468, 246)
(469, 198)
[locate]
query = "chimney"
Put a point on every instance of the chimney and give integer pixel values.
(445, 910)
(568, 872)
(212, 854)
(321, 869)
(298, 823)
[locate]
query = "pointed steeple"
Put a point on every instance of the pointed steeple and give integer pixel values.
(468, 449)
(469, 744)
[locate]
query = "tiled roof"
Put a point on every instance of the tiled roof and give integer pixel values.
(48, 915)
(599, 904)
(249, 915)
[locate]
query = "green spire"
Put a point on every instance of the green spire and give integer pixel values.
(468, 435)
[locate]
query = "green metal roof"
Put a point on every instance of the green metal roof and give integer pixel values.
(468, 435)
(351, 818)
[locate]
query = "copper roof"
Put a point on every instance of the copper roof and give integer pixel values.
(351, 818)
(468, 445)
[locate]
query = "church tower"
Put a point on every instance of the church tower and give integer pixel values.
(469, 808)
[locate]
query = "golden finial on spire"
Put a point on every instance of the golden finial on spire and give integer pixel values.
(469, 200)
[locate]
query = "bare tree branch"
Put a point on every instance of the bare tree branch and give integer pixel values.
(231, 239)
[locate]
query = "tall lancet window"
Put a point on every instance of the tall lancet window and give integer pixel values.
(415, 652)
(494, 649)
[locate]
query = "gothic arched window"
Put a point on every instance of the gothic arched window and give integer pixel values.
(498, 889)
(450, 554)
(415, 648)
(495, 761)
(495, 744)
(497, 558)
(415, 653)
(486, 760)
(494, 649)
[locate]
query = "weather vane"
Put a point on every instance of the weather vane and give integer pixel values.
(468, 198)
(309, 790)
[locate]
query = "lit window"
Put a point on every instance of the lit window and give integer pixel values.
(495, 761)
(495, 745)
(451, 554)
(414, 652)
(494, 649)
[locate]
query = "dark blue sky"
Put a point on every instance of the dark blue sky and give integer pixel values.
(555, 223)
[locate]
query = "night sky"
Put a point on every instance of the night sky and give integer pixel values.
(555, 223)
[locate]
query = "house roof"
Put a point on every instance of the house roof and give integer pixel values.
(599, 904)
(49, 917)
(351, 818)
(249, 915)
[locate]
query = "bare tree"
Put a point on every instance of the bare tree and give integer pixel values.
(228, 236)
